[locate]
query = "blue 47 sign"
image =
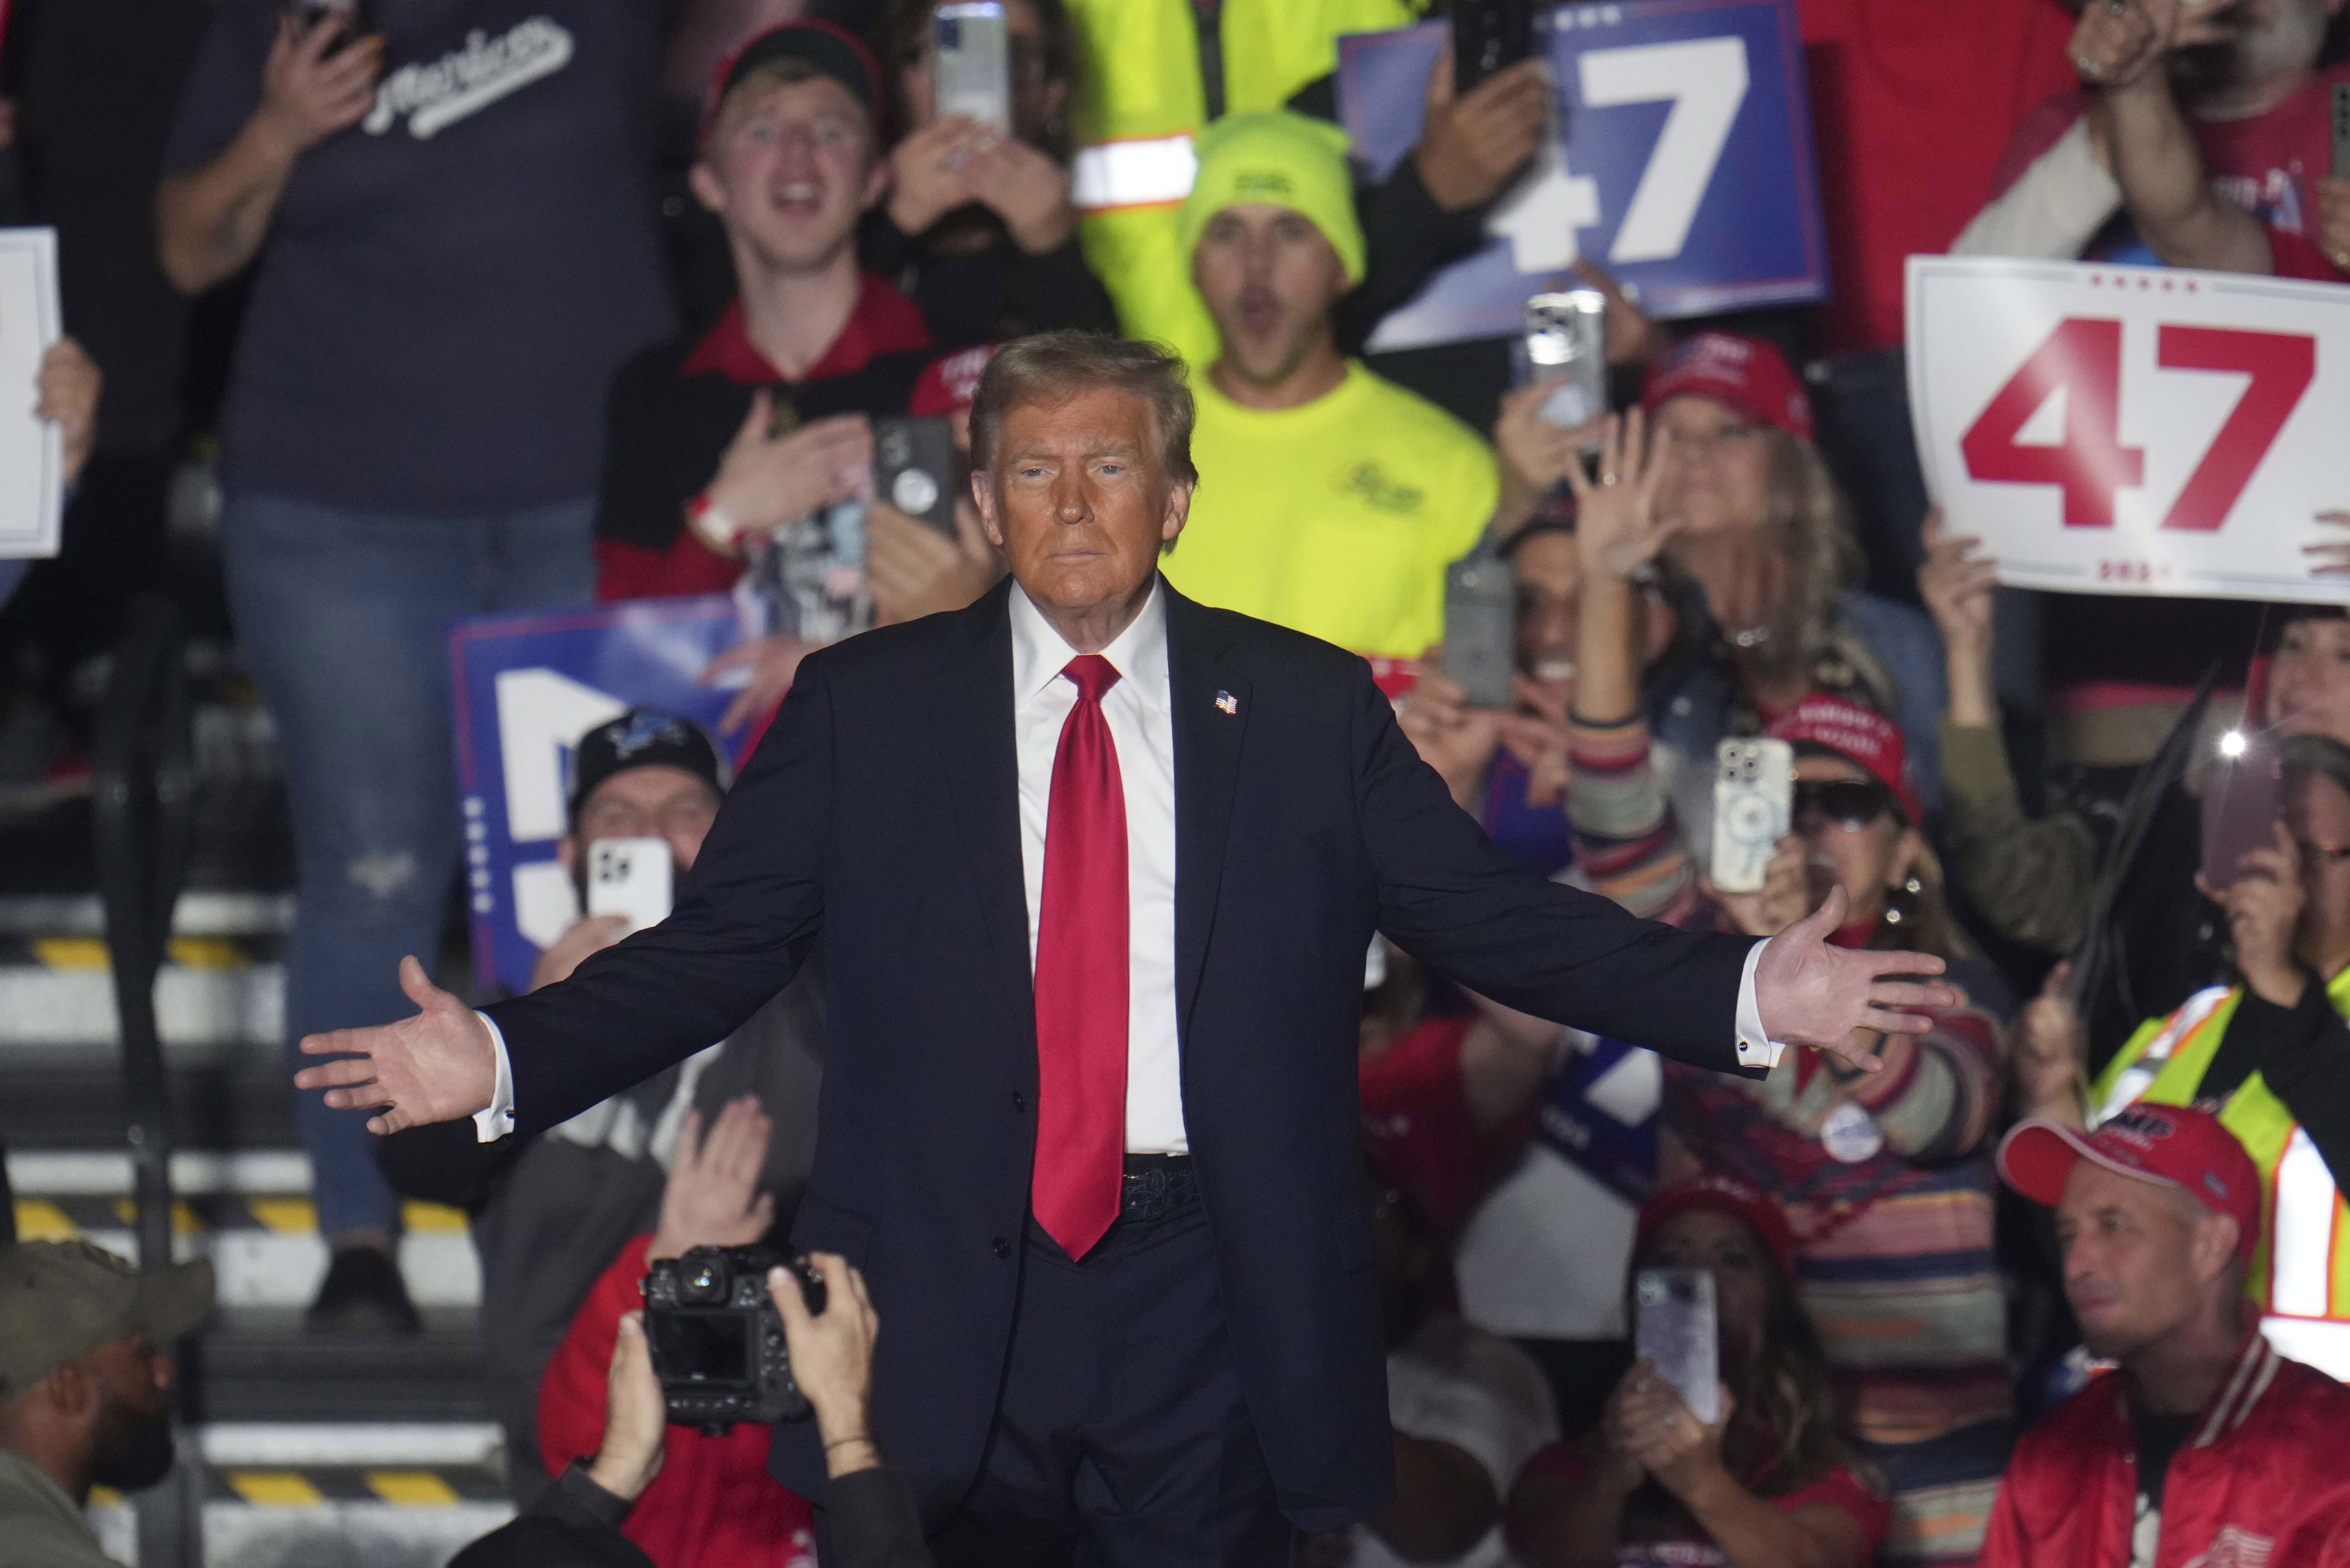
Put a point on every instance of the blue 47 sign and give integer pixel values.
(1680, 159)
(526, 688)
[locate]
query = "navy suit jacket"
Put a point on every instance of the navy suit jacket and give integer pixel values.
(880, 814)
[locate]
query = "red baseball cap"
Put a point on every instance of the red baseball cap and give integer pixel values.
(1722, 1195)
(2170, 1144)
(1747, 373)
(1861, 736)
(826, 47)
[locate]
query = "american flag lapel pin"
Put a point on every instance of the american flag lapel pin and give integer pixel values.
(1227, 704)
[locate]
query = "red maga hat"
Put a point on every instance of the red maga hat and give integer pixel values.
(1722, 1195)
(1861, 736)
(1747, 373)
(2170, 1144)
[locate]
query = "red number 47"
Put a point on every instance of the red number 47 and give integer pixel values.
(2082, 359)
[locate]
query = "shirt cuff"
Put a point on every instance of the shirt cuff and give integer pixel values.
(497, 1119)
(1755, 1046)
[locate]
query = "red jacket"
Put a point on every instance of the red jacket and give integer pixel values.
(2261, 1484)
(713, 1505)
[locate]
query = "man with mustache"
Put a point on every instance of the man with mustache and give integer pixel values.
(1330, 499)
(86, 1379)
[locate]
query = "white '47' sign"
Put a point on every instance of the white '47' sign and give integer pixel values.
(2133, 429)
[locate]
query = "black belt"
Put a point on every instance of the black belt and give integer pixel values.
(1156, 1187)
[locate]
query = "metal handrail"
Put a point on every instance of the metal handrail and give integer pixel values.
(143, 788)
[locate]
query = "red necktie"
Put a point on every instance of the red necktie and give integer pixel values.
(1081, 977)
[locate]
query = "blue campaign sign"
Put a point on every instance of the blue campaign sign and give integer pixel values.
(1685, 168)
(525, 688)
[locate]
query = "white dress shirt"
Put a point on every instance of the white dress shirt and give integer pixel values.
(1141, 726)
(1139, 713)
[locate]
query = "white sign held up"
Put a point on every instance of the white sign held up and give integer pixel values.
(32, 455)
(2133, 429)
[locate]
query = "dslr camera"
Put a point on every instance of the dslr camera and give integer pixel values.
(717, 1341)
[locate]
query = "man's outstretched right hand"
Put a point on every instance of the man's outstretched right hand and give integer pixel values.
(438, 1066)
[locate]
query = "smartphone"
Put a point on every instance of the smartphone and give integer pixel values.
(1673, 1330)
(1566, 336)
(1753, 806)
(2243, 798)
(917, 470)
(356, 18)
(1480, 628)
(972, 69)
(630, 878)
(2341, 130)
(1489, 35)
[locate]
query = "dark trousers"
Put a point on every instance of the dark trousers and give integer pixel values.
(1121, 1439)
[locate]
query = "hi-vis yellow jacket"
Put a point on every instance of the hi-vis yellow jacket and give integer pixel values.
(1140, 102)
(2300, 1270)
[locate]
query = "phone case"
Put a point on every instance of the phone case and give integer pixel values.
(1480, 628)
(917, 470)
(1674, 1331)
(2241, 801)
(1753, 800)
(2341, 130)
(1566, 337)
(1489, 35)
(972, 73)
(630, 878)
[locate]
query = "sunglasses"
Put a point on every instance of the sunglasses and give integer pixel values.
(1847, 803)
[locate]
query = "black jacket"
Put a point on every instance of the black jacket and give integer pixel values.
(880, 811)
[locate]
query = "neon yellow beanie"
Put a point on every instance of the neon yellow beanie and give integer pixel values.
(1283, 160)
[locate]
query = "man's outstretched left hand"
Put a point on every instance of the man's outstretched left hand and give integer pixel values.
(437, 1067)
(1810, 993)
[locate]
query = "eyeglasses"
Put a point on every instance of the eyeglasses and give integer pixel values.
(1850, 803)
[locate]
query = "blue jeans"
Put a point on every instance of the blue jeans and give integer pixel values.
(344, 616)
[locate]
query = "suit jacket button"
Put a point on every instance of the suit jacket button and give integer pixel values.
(1002, 1247)
(1019, 1101)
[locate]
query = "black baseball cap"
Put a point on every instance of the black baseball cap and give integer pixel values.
(824, 47)
(643, 738)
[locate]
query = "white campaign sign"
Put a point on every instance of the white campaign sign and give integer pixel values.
(32, 456)
(2133, 429)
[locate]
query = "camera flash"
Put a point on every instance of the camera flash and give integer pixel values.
(2231, 743)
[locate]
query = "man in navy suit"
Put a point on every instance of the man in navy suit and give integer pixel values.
(1094, 868)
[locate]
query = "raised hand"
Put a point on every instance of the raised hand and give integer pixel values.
(1471, 146)
(913, 570)
(1617, 529)
(1810, 993)
(2331, 557)
(438, 1066)
(2051, 1052)
(712, 1199)
(308, 94)
(1452, 737)
(2263, 906)
(1028, 191)
(931, 171)
(766, 479)
(771, 663)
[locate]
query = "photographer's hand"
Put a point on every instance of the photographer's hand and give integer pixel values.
(712, 1197)
(832, 1358)
(635, 1418)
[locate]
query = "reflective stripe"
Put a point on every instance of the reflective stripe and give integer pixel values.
(2300, 1236)
(2132, 1081)
(1139, 173)
(2322, 1343)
